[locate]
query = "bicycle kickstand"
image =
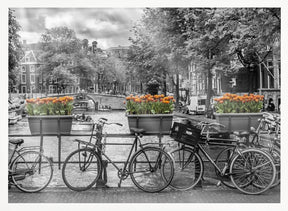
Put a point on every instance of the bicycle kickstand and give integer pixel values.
(119, 183)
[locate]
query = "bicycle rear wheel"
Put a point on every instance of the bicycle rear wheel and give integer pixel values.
(276, 158)
(188, 168)
(81, 169)
(146, 169)
(252, 171)
(31, 171)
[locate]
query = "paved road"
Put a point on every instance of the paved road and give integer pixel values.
(208, 194)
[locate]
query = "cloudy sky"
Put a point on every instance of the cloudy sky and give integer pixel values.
(110, 27)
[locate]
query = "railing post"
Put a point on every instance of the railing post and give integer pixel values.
(41, 144)
(59, 143)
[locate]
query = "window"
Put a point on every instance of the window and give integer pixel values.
(32, 88)
(23, 69)
(27, 59)
(40, 79)
(32, 78)
(32, 68)
(23, 89)
(23, 79)
(202, 102)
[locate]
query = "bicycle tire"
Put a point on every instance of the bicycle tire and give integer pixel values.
(188, 169)
(150, 178)
(274, 151)
(31, 171)
(252, 171)
(223, 157)
(81, 169)
(277, 161)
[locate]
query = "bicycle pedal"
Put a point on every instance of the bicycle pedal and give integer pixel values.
(219, 183)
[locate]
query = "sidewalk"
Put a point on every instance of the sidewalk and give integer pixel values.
(207, 194)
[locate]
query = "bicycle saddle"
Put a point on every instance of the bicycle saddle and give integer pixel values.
(16, 141)
(241, 133)
(137, 130)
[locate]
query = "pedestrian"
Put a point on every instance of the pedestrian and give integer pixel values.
(271, 106)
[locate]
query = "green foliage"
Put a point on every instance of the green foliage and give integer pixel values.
(232, 103)
(50, 106)
(149, 104)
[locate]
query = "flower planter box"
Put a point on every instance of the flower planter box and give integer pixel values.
(238, 121)
(51, 125)
(151, 123)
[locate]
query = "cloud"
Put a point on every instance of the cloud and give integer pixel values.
(108, 25)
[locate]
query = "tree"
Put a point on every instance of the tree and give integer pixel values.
(205, 43)
(214, 38)
(14, 49)
(60, 47)
(255, 31)
(158, 47)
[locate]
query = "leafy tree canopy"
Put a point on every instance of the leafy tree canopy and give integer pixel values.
(14, 47)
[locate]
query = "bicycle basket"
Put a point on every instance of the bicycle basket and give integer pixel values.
(186, 134)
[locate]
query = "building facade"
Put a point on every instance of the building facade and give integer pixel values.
(30, 78)
(265, 80)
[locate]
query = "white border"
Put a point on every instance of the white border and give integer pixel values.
(137, 4)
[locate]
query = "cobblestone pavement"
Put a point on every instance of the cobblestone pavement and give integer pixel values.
(207, 194)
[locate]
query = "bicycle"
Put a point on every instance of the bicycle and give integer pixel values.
(29, 170)
(146, 167)
(250, 170)
(268, 131)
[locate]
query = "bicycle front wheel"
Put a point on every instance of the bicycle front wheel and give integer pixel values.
(31, 171)
(188, 168)
(81, 169)
(222, 159)
(147, 167)
(252, 171)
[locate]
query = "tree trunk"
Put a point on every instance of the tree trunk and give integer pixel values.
(209, 89)
(177, 89)
(252, 80)
(164, 90)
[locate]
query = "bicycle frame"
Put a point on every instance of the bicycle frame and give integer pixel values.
(134, 146)
(235, 150)
(17, 153)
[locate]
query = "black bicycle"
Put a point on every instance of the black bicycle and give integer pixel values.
(267, 137)
(150, 168)
(250, 170)
(28, 169)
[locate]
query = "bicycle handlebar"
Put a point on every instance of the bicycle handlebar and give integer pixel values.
(104, 122)
(270, 118)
